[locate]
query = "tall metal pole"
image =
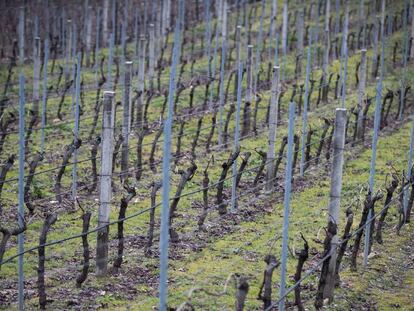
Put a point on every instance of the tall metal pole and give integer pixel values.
(236, 137)
(286, 204)
(21, 35)
(284, 36)
(165, 212)
(404, 60)
(335, 194)
(222, 71)
(126, 122)
(44, 99)
(344, 59)
(20, 237)
(76, 129)
(377, 118)
(377, 121)
(305, 108)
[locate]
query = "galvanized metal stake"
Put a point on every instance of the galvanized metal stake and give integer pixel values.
(44, 99)
(236, 137)
(222, 71)
(20, 237)
(286, 204)
(76, 129)
(305, 108)
(165, 212)
(377, 118)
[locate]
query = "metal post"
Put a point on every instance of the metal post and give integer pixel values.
(105, 21)
(305, 108)
(377, 118)
(274, 103)
(151, 51)
(44, 99)
(36, 76)
(404, 60)
(76, 128)
(286, 204)
(20, 237)
(126, 122)
(236, 137)
(222, 71)
(111, 48)
(140, 87)
(165, 212)
(249, 91)
(98, 25)
(21, 35)
(361, 92)
(105, 193)
(335, 194)
(344, 59)
(259, 46)
(284, 36)
(410, 164)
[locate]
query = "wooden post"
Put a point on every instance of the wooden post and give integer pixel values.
(106, 184)
(361, 93)
(335, 194)
(274, 103)
(126, 122)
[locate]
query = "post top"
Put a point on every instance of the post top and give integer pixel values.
(109, 93)
(340, 109)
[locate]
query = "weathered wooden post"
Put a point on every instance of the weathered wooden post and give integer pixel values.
(361, 93)
(105, 193)
(335, 195)
(274, 103)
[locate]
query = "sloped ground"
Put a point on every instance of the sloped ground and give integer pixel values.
(387, 284)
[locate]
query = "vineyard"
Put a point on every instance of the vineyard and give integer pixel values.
(206, 155)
